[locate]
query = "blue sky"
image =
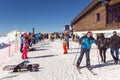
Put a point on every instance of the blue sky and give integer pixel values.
(43, 15)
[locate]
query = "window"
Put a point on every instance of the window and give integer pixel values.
(98, 17)
(113, 13)
(118, 10)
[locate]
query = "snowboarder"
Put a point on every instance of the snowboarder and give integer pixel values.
(103, 45)
(86, 42)
(25, 46)
(115, 44)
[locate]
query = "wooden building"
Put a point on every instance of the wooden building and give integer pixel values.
(98, 15)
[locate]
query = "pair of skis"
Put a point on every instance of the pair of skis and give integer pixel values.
(90, 70)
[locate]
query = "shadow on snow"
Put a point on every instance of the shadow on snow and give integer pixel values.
(7, 77)
(109, 63)
(45, 56)
(3, 45)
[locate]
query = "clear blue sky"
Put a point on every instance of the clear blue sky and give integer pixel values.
(43, 15)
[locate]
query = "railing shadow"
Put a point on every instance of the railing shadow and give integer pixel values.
(3, 45)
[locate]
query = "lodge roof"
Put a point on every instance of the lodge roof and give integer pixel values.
(81, 14)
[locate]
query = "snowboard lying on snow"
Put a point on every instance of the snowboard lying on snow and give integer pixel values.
(32, 49)
(23, 66)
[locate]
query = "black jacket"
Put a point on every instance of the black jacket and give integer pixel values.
(103, 43)
(115, 41)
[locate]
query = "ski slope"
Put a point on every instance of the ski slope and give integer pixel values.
(54, 65)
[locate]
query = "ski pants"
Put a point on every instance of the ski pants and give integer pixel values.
(65, 48)
(102, 52)
(21, 48)
(87, 52)
(116, 55)
(24, 53)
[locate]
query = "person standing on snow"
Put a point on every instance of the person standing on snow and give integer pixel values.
(64, 42)
(52, 37)
(68, 36)
(21, 43)
(25, 46)
(115, 44)
(86, 42)
(29, 39)
(103, 45)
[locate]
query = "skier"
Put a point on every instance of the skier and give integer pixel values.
(86, 42)
(21, 43)
(115, 44)
(103, 45)
(25, 46)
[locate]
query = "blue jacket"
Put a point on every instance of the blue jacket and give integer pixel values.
(21, 40)
(87, 42)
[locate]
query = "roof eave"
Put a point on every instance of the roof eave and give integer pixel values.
(91, 5)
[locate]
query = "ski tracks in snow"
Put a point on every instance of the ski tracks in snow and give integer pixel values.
(62, 70)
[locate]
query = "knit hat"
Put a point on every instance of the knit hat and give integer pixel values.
(89, 32)
(24, 35)
(114, 32)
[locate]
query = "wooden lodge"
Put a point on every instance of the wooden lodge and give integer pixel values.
(98, 15)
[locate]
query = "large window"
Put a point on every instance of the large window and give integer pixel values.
(113, 13)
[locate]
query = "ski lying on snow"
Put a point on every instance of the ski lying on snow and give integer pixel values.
(91, 71)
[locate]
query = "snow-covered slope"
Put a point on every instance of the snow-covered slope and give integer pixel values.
(54, 65)
(11, 36)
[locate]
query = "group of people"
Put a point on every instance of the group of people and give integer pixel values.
(26, 41)
(103, 44)
(86, 41)
(113, 43)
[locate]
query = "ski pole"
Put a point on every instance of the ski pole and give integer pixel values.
(76, 55)
(98, 56)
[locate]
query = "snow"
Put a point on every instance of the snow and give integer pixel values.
(11, 36)
(54, 65)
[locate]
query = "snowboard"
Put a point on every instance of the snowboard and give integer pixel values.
(32, 49)
(22, 67)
